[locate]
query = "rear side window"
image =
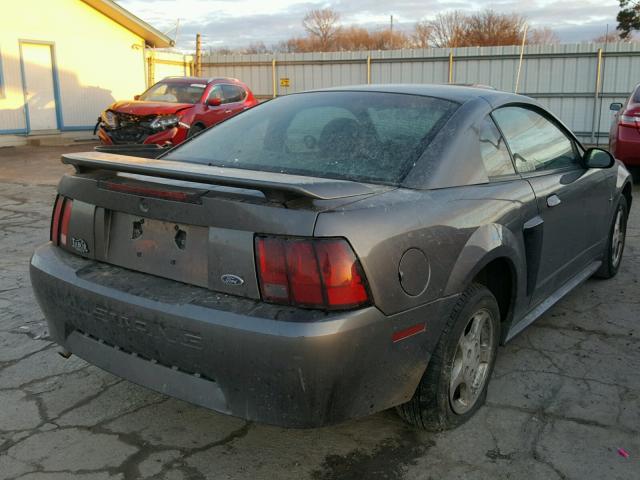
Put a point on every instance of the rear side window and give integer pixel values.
(535, 142)
(493, 151)
(362, 136)
(232, 93)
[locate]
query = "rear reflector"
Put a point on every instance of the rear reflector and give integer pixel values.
(313, 273)
(408, 332)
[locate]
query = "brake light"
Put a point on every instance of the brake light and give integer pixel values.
(314, 273)
(60, 220)
(150, 192)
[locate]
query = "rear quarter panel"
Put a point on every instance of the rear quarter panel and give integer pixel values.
(458, 230)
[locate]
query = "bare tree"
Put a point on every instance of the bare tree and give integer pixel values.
(322, 25)
(611, 37)
(422, 33)
(448, 29)
(489, 28)
(542, 36)
(256, 47)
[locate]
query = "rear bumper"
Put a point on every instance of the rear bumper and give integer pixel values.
(219, 353)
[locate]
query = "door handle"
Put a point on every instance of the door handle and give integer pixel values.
(227, 111)
(553, 201)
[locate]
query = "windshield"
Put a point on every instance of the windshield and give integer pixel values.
(174, 92)
(363, 136)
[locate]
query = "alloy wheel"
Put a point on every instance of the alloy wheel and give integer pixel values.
(618, 237)
(471, 362)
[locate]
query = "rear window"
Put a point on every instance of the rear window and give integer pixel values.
(363, 136)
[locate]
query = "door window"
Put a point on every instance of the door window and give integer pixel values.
(232, 93)
(536, 143)
(493, 151)
(216, 92)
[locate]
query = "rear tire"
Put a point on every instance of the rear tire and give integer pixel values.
(440, 403)
(616, 241)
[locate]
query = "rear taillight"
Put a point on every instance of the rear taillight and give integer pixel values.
(60, 220)
(629, 120)
(55, 220)
(313, 273)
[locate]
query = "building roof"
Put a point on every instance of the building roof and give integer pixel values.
(128, 20)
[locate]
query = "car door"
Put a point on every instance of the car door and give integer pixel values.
(233, 97)
(214, 114)
(550, 161)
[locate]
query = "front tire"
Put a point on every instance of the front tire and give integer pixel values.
(454, 386)
(616, 241)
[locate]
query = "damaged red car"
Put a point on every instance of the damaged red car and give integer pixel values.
(173, 110)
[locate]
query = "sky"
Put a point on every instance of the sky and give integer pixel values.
(237, 23)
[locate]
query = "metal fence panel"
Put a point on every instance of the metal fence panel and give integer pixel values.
(563, 78)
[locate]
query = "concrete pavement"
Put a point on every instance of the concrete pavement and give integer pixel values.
(564, 397)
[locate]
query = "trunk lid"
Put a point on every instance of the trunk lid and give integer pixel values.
(188, 222)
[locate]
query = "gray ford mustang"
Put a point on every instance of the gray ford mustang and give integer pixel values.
(331, 254)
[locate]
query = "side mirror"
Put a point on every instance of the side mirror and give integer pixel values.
(614, 107)
(598, 158)
(214, 101)
(136, 97)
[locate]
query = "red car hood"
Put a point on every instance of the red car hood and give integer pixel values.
(138, 107)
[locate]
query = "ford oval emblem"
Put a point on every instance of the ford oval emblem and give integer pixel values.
(229, 279)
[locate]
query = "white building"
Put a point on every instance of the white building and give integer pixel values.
(62, 62)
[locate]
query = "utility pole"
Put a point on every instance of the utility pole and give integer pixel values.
(175, 39)
(198, 56)
(391, 33)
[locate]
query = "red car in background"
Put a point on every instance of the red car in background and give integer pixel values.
(624, 136)
(172, 110)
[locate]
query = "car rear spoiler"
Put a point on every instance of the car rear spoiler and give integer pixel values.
(275, 186)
